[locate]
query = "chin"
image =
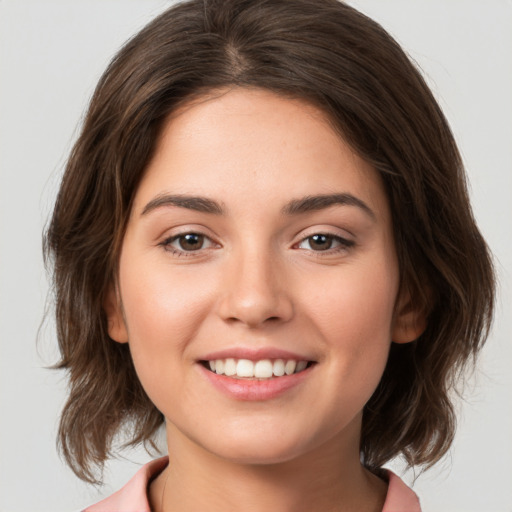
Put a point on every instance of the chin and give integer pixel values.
(257, 448)
(256, 456)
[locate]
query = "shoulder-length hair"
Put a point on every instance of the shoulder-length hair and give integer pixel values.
(340, 61)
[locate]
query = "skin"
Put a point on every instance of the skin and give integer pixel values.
(258, 280)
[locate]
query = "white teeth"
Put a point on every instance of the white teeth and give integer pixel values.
(278, 367)
(219, 366)
(301, 365)
(230, 367)
(245, 368)
(290, 366)
(262, 369)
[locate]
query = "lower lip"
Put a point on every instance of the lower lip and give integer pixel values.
(253, 389)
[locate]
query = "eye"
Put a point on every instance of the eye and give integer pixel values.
(187, 242)
(324, 242)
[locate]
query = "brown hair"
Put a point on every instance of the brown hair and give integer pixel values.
(324, 52)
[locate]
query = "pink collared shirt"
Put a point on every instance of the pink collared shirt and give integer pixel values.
(133, 496)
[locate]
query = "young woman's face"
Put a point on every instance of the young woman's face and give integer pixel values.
(258, 243)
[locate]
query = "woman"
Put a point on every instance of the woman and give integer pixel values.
(263, 236)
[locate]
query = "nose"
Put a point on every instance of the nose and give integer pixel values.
(255, 291)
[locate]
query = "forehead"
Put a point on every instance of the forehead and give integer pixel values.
(252, 144)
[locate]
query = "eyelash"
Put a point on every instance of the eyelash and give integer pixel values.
(166, 244)
(344, 244)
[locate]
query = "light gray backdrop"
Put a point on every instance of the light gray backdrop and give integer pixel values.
(51, 55)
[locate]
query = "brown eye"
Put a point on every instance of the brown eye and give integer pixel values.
(320, 242)
(190, 242)
(187, 243)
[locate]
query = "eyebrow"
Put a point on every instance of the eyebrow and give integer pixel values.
(294, 207)
(320, 202)
(197, 203)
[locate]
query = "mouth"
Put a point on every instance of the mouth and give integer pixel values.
(262, 369)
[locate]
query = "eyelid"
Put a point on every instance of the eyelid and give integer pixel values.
(329, 235)
(341, 240)
(166, 241)
(344, 243)
(327, 230)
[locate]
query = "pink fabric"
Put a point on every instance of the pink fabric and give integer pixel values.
(133, 496)
(400, 498)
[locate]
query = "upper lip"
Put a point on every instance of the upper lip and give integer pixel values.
(254, 354)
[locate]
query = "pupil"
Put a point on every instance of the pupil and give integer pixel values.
(321, 242)
(191, 242)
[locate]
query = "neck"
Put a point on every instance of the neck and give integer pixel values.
(327, 478)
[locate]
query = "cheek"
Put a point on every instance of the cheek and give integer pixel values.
(355, 316)
(357, 302)
(159, 305)
(163, 312)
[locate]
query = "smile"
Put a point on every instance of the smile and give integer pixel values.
(261, 369)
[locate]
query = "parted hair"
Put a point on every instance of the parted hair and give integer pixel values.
(330, 55)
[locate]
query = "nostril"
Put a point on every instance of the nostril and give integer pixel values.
(251, 302)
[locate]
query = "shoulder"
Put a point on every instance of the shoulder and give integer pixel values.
(133, 496)
(400, 498)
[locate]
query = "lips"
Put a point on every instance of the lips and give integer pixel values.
(255, 374)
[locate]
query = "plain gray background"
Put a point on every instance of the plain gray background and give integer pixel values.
(51, 55)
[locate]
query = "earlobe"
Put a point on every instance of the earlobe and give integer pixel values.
(410, 321)
(115, 318)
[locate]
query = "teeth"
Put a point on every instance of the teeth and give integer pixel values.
(262, 369)
(219, 366)
(301, 365)
(230, 367)
(245, 368)
(278, 367)
(290, 366)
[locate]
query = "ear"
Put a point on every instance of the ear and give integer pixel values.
(113, 309)
(409, 322)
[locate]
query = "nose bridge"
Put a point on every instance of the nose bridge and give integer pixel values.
(255, 289)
